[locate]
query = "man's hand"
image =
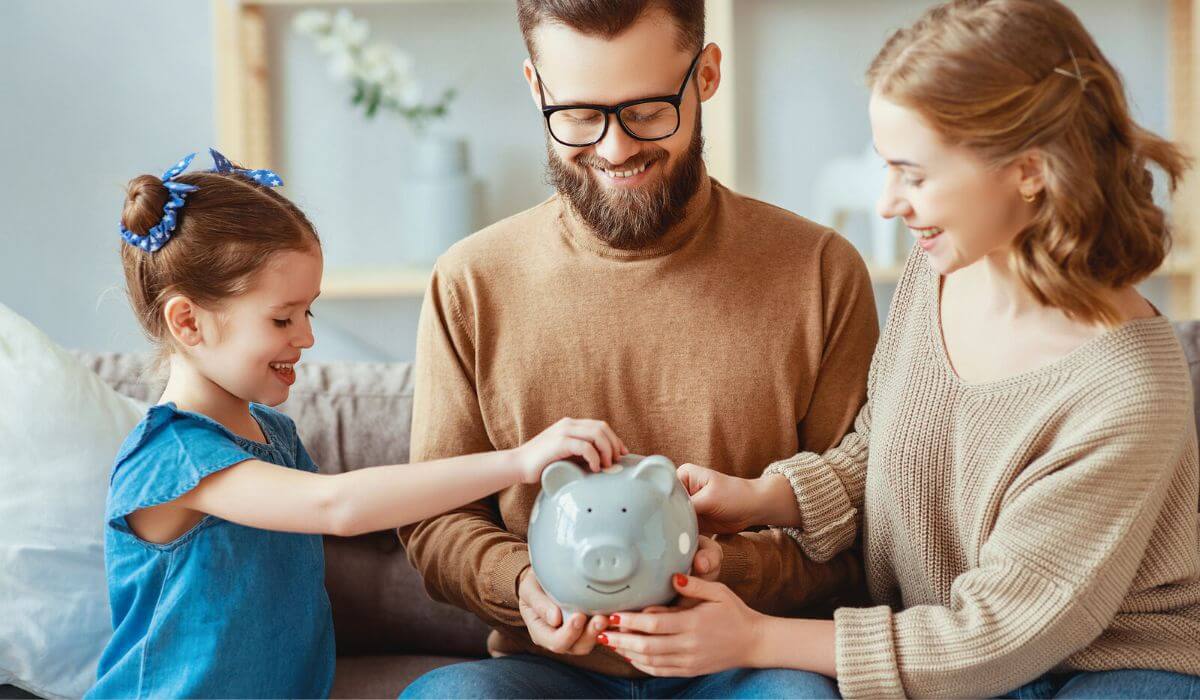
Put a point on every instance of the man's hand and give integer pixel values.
(574, 635)
(706, 565)
(724, 503)
(707, 562)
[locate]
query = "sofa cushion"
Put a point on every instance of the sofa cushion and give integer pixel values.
(60, 428)
(352, 415)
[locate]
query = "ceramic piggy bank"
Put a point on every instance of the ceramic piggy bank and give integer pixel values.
(610, 541)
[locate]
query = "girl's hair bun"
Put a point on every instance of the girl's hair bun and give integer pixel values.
(145, 197)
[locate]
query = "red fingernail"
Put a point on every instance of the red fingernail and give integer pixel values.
(614, 619)
(629, 659)
(602, 639)
(680, 580)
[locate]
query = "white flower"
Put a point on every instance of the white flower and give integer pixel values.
(376, 65)
(330, 44)
(352, 32)
(312, 22)
(404, 90)
(403, 62)
(342, 65)
(379, 69)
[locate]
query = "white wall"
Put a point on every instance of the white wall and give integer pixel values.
(93, 93)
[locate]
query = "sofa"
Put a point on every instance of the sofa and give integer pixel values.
(350, 415)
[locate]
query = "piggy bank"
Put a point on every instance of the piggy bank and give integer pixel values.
(603, 542)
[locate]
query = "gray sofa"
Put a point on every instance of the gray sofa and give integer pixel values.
(388, 630)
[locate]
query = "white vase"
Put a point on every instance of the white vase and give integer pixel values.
(438, 199)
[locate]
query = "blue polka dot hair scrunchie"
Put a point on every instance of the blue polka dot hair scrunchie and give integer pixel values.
(158, 236)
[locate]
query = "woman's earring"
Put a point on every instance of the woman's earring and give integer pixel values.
(1029, 197)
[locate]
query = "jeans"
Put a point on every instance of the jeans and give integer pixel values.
(531, 676)
(1124, 683)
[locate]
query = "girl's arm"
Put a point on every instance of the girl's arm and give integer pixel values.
(263, 495)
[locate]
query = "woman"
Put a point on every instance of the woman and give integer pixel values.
(1024, 473)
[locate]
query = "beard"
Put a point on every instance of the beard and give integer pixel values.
(634, 218)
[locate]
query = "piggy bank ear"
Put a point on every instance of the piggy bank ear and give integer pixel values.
(659, 471)
(558, 475)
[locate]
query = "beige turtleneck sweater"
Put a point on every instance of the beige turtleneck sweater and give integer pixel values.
(739, 338)
(1047, 521)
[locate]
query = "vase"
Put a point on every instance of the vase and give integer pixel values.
(438, 201)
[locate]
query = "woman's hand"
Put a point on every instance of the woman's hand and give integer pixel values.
(723, 503)
(592, 440)
(718, 632)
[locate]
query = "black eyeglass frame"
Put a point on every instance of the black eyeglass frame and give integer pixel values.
(615, 110)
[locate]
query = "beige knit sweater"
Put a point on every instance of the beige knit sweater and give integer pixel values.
(1047, 521)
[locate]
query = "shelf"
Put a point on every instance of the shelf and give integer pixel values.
(335, 4)
(411, 281)
(375, 282)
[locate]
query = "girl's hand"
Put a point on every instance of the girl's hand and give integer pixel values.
(723, 503)
(718, 633)
(592, 440)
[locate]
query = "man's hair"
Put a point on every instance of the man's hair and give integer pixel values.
(609, 18)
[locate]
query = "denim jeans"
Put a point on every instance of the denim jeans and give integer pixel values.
(1125, 683)
(530, 676)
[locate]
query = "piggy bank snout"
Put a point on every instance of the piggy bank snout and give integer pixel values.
(607, 561)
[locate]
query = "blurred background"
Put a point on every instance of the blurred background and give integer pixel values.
(97, 92)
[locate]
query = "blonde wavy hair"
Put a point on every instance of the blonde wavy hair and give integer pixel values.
(1002, 77)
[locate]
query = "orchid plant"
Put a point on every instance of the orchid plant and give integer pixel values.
(382, 75)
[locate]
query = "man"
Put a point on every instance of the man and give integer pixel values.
(700, 324)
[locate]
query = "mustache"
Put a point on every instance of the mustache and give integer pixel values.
(637, 161)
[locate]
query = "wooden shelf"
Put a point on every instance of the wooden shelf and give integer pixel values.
(411, 281)
(375, 282)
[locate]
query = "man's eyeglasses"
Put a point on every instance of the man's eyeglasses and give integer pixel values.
(647, 119)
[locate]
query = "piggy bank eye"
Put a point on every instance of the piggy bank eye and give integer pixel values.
(624, 510)
(589, 510)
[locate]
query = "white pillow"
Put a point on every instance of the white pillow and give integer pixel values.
(60, 428)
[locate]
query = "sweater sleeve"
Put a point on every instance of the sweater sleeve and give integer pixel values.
(829, 481)
(465, 556)
(1052, 570)
(766, 567)
(829, 491)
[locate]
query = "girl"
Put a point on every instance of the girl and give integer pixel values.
(1024, 472)
(215, 566)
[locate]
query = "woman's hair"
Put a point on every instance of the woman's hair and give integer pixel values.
(1001, 77)
(226, 231)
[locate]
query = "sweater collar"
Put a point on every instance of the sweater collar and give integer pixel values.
(695, 217)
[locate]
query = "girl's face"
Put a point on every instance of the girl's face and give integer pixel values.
(958, 209)
(252, 344)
